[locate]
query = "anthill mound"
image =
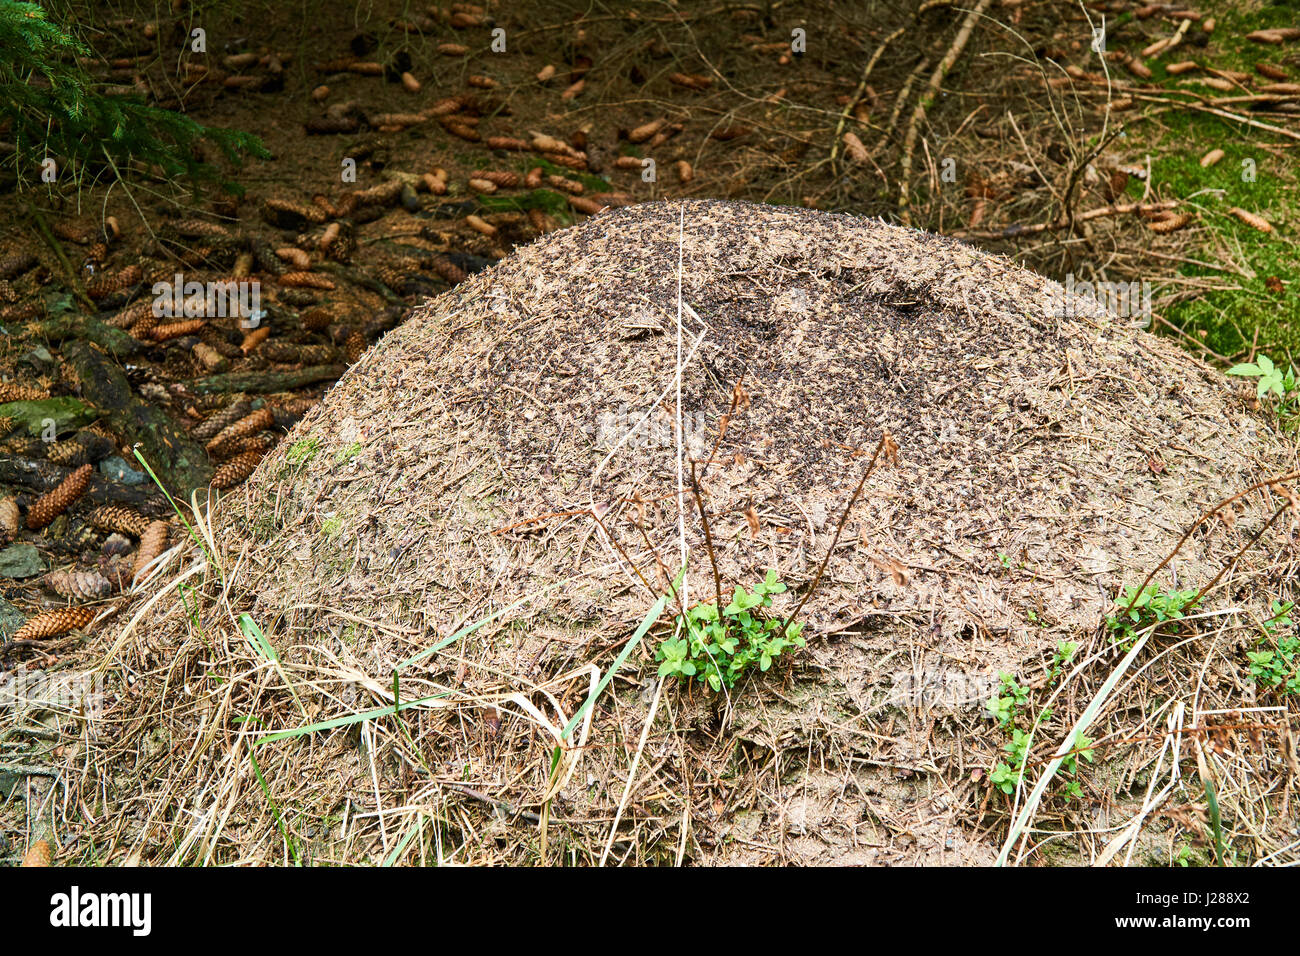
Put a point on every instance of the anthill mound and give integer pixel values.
(512, 448)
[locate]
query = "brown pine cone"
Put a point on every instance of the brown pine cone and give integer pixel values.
(38, 854)
(13, 392)
(448, 270)
(355, 346)
(236, 470)
(314, 320)
(8, 294)
(381, 194)
(503, 178)
(103, 286)
(96, 254)
(153, 541)
(79, 585)
(316, 354)
(213, 426)
(117, 518)
(209, 358)
(174, 330)
(53, 623)
(567, 161)
(21, 311)
(7, 423)
(461, 131)
(23, 446)
(70, 453)
(228, 449)
(49, 506)
(10, 520)
(72, 231)
(306, 280)
(16, 263)
(507, 142)
(254, 338)
(286, 214)
(265, 256)
(540, 221)
(259, 420)
(131, 315)
(199, 229)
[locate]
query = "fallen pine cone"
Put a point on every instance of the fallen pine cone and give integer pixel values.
(483, 186)
(296, 257)
(646, 130)
(152, 543)
(218, 421)
(16, 263)
(236, 470)
(1171, 224)
(259, 420)
(306, 280)
(10, 520)
(72, 231)
(571, 186)
(49, 506)
(355, 346)
(79, 585)
(118, 519)
(69, 454)
(38, 854)
(585, 205)
(448, 270)
(11, 392)
(104, 286)
(684, 171)
(314, 320)
(854, 148)
(462, 131)
(53, 623)
(567, 160)
(174, 330)
(381, 194)
(534, 177)
(1250, 219)
(452, 49)
(539, 221)
(690, 81)
(198, 229)
(1212, 157)
(254, 338)
(736, 132)
(478, 224)
(291, 215)
(507, 142)
(503, 178)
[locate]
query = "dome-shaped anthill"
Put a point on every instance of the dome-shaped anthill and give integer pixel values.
(512, 448)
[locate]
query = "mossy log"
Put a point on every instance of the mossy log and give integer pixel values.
(179, 462)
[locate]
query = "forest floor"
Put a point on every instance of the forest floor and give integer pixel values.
(473, 129)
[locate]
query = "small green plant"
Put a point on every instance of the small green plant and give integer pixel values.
(330, 527)
(1271, 380)
(716, 647)
(1153, 605)
(1269, 377)
(1008, 707)
(1275, 663)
